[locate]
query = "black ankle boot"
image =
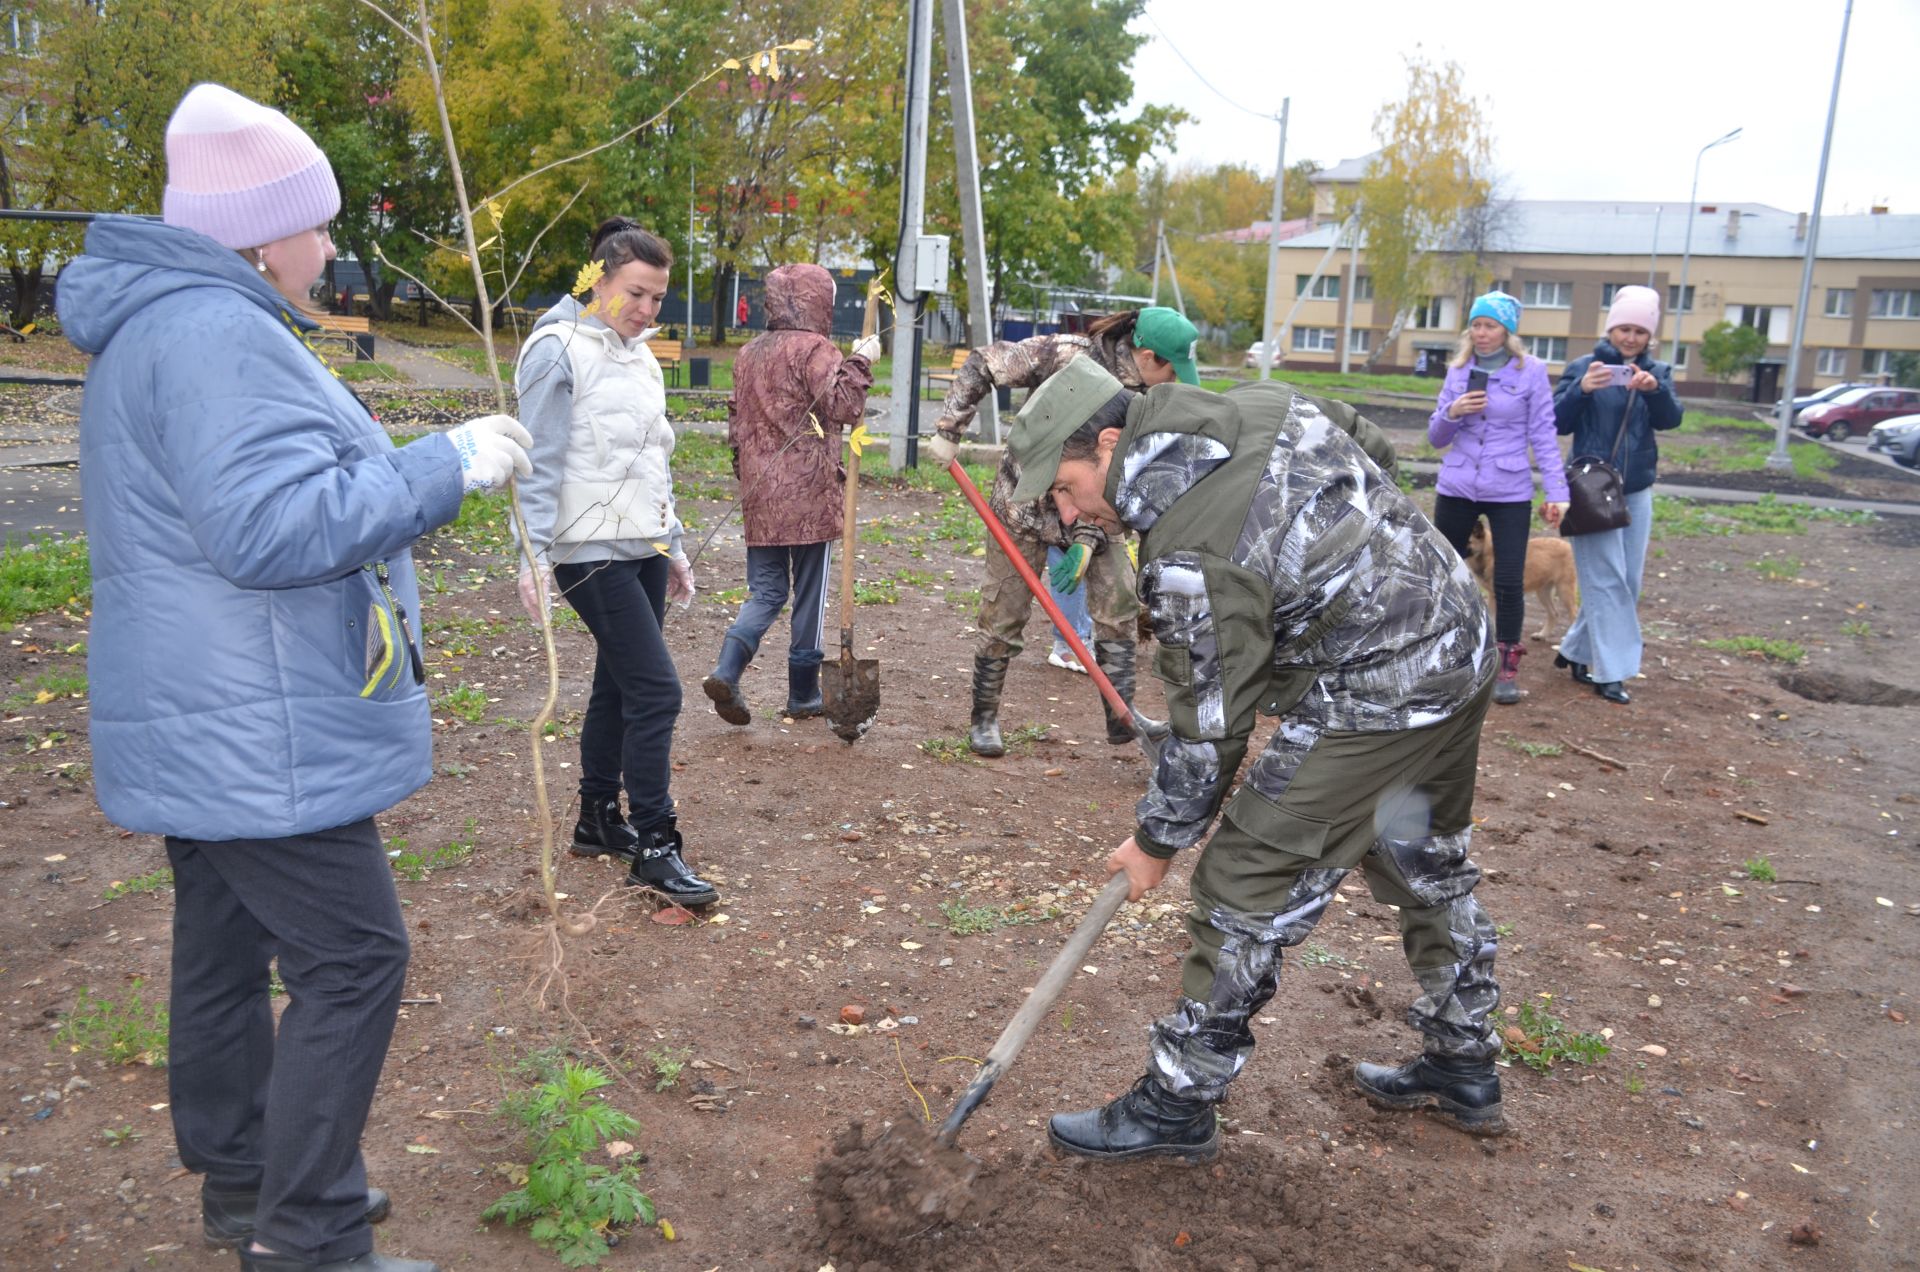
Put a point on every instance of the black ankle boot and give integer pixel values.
(803, 690)
(989, 674)
(1612, 691)
(723, 682)
(602, 832)
(1148, 1121)
(369, 1262)
(1464, 1094)
(227, 1218)
(1577, 670)
(660, 866)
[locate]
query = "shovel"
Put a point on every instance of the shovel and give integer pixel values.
(1149, 743)
(850, 689)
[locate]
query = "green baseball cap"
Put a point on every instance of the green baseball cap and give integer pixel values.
(1168, 333)
(1066, 400)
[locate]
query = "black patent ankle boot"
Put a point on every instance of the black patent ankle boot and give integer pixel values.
(989, 674)
(1148, 1121)
(1465, 1094)
(602, 831)
(659, 866)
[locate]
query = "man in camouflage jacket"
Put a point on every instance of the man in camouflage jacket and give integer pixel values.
(1285, 574)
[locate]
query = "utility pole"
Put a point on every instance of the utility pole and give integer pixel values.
(1159, 239)
(901, 449)
(1779, 459)
(1353, 275)
(1269, 339)
(1686, 253)
(966, 158)
(1173, 272)
(1653, 253)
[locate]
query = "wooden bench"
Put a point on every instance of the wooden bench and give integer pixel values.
(357, 332)
(667, 354)
(952, 373)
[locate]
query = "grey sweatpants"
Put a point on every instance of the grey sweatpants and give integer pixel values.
(774, 574)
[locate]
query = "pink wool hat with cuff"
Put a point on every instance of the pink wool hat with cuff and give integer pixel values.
(241, 173)
(1636, 307)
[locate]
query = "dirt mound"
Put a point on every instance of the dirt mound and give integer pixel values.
(875, 1197)
(1860, 691)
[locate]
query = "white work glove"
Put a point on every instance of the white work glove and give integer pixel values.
(536, 591)
(680, 587)
(492, 449)
(867, 347)
(942, 448)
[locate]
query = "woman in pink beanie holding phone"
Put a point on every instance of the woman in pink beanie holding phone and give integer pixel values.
(1612, 402)
(258, 694)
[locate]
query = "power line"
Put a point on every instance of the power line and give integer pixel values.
(1257, 114)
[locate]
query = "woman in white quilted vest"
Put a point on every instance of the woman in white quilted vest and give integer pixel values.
(600, 510)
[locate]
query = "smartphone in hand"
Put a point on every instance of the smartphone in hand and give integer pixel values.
(1620, 375)
(1476, 381)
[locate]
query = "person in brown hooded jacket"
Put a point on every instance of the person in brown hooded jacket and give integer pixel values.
(793, 393)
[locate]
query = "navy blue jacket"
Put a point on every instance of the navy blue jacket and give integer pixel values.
(1593, 419)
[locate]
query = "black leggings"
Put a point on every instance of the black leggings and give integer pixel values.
(1453, 517)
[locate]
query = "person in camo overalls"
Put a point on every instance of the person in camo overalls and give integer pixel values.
(1284, 573)
(1141, 347)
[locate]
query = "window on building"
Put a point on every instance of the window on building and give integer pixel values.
(1547, 295)
(1609, 290)
(1316, 340)
(1896, 304)
(1770, 320)
(1501, 285)
(1830, 362)
(1361, 341)
(1363, 287)
(1673, 299)
(1680, 358)
(1427, 314)
(1876, 362)
(1547, 348)
(1325, 287)
(1839, 302)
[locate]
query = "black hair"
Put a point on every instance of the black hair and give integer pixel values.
(619, 240)
(1084, 442)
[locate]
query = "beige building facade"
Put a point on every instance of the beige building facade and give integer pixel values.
(1564, 260)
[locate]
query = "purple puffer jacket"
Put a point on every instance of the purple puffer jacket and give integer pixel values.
(1487, 451)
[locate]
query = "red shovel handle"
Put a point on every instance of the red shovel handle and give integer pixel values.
(1042, 594)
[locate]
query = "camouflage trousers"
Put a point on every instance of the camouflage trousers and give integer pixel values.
(1397, 805)
(1005, 602)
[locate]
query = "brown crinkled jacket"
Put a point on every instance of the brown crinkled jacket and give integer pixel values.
(790, 493)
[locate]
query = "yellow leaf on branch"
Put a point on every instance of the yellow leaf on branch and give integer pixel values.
(858, 441)
(589, 275)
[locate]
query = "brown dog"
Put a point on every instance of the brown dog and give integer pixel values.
(1550, 573)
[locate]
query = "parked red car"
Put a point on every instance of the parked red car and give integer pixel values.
(1855, 413)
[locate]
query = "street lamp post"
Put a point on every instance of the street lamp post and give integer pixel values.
(1693, 209)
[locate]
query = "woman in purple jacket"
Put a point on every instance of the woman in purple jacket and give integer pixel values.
(1495, 404)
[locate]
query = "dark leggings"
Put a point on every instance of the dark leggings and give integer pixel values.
(627, 736)
(1509, 522)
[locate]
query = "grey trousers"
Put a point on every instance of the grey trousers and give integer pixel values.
(283, 1115)
(799, 571)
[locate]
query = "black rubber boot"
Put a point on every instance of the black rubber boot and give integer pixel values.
(723, 682)
(602, 831)
(660, 866)
(989, 674)
(226, 1218)
(369, 1262)
(1506, 684)
(1464, 1094)
(1116, 658)
(803, 690)
(1148, 1121)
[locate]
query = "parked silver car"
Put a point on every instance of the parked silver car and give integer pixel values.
(1898, 437)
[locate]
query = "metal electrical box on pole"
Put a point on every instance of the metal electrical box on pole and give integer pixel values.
(913, 198)
(966, 159)
(1269, 337)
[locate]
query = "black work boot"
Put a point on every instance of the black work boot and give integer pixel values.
(369, 1262)
(989, 674)
(1465, 1094)
(602, 831)
(660, 866)
(723, 682)
(803, 690)
(1148, 1121)
(227, 1218)
(1116, 659)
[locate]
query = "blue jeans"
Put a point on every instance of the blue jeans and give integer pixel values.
(774, 574)
(1606, 635)
(1072, 604)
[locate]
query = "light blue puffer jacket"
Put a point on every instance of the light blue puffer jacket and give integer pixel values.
(248, 676)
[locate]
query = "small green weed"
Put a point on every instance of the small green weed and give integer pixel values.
(965, 598)
(152, 881)
(977, 920)
(1759, 869)
(729, 595)
(49, 687)
(1318, 955)
(913, 578)
(120, 1136)
(1533, 750)
(44, 574)
(877, 592)
(1543, 1040)
(415, 866)
(568, 1201)
(1503, 930)
(1635, 1084)
(131, 1031)
(1020, 741)
(466, 702)
(464, 635)
(1785, 651)
(668, 1063)
(946, 749)
(1778, 569)
(1066, 1019)
(1856, 627)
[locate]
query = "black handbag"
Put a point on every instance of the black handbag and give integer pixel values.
(1596, 494)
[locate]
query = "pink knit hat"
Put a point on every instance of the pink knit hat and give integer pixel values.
(241, 173)
(1635, 306)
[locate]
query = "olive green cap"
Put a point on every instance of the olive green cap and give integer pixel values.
(1065, 401)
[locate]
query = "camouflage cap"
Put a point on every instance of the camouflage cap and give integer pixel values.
(1067, 399)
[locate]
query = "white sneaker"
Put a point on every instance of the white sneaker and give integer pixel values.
(1063, 658)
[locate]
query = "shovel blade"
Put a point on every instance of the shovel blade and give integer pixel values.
(850, 691)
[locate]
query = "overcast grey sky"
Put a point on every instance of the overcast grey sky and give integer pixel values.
(1583, 101)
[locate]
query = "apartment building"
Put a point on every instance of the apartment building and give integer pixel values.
(1564, 261)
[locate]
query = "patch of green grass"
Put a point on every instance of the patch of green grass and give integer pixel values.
(152, 881)
(1546, 1041)
(965, 598)
(1683, 518)
(464, 702)
(44, 574)
(876, 592)
(1635, 1084)
(1759, 869)
(668, 1063)
(1778, 569)
(415, 866)
(729, 595)
(130, 1031)
(471, 358)
(1856, 627)
(1727, 444)
(1785, 651)
(464, 635)
(1021, 740)
(946, 749)
(362, 372)
(1351, 381)
(1533, 750)
(1315, 954)
(977, 920)
(913, 578)
(484, 526)
(49, 687)
(1503, 930)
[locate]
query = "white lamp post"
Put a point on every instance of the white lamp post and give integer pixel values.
(1693, 209)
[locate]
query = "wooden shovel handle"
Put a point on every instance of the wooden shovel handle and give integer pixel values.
(846, 551)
